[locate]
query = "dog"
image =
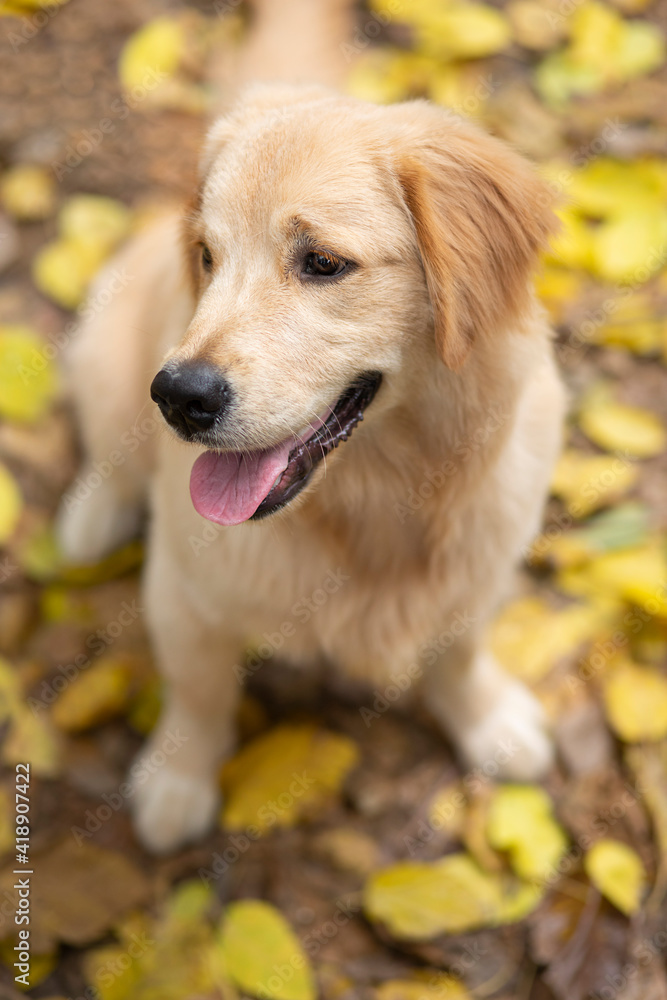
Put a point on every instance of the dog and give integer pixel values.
(355, 378)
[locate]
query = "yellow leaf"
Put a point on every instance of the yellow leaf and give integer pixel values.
(189, 901)
(28, 380)
(41, 966)
(26, 7)
(63, 269)
(521, 822)
(39, 556)
(604, 49)
(529, 637)
(30, 740)
(618, 873)
(617, 427)
(573, 245)
(96, 695)
(622, 49)
(387, 75)
(11, 504)
(7, 822)
(173, 956)
(559, 77)
(636, 702)
(636, 574)
(117, 564)
(557, 288)
(283, 774)
(464, 31)
(432, 986)
(145, 708)
(28, 193)
(614, 529)
(641, 50)
(630, 247)
(95, 221)
(455, 86)
(255, 941)
(152, 53)
(420, 900)
(586, 482)
(607, 187)
(90, 227)
(10, 690)
(633, 326)
(348, 850)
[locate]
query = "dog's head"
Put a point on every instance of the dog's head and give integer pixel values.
(334, 246)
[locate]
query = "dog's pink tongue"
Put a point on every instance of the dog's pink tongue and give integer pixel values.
(228, 488)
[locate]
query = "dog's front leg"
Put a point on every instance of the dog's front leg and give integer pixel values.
(494, 720)
(176, 775)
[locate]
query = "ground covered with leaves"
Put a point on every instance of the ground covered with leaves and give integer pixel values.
(354, 857)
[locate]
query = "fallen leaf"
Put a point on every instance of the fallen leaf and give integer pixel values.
(603, 49)
(11, 504)
(558, 287)
(26, 8)
(462, 31)
(117, 564)
(81, 891)
(636, 702)
(618, 873)
(630, 247)
(638, 575)
(348, 850)
(608, 188)
(420, 900)
(521, 822)
(572, 246)
(28, 381)
(255, 941)
(171, 957)
(152, 53)
(28, 193)
(529, 637)
(620, 527)
(41, 966)
(94, 221)
(31, 740)
(617, 427)
(428, 986)
(63, 269)
(94, 696)
(284, 774)
(7, 822)
(90, 228)
(586, 482)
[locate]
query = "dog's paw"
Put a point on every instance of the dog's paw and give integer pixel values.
(94, 523)
(172, 809)
(511, 742)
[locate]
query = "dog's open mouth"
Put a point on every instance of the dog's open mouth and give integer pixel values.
(232, 487)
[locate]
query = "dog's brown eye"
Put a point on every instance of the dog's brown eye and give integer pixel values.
(206, 258)
(325, 265)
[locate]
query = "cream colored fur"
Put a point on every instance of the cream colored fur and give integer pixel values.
(424, 512)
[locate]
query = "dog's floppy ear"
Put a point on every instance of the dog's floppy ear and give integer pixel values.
(481, 216)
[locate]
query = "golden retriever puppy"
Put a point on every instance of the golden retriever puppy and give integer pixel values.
(360, 403)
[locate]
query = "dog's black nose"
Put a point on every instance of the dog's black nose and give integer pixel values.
(191, 396)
